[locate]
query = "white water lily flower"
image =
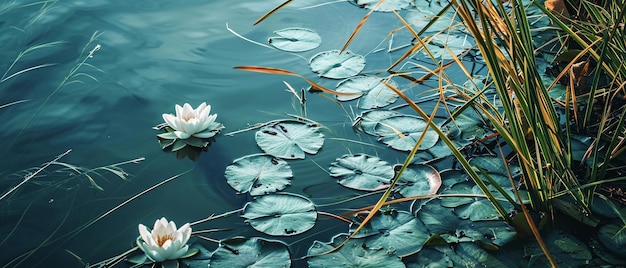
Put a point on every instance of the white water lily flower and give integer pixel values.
(164, 242)
(193, 122)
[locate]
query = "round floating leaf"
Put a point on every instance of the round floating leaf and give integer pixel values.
(373, 92)
(355, 253)
(613, 237)
(368, 120)
(362, 172)
(395, 231)
(295, 39)
(419, 180)
(290, 140)
(495, 232)
(402, 132)
(431, 257)
(441, 45)
(387, 6)
(438, 219)
(425, 13)
(472, 255)
(336, 65)
(473, 208)
(258, 174)
(453, 176)
(494, 164)
(280, 214)
(564, 248)
(470, 124)
(253, 252)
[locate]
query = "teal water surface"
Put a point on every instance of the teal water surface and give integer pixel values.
(153, 55)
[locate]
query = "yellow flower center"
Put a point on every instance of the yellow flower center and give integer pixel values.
(162, 239)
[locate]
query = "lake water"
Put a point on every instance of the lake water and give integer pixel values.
(153, 55)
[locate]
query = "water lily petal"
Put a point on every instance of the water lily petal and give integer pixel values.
(159, 226)
(205, 134)
(181, 135)
(150, 252)
(179, 111)
(171, 121)
(203, 110)
(187, 112)
(185, 233)
(182, 251)
(192, 126)
(171, 227)
(146, 236)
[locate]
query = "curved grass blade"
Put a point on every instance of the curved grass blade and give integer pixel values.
(358, 28)
(271, 70)
(262, 18)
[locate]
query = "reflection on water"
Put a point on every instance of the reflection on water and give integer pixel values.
(153, 55)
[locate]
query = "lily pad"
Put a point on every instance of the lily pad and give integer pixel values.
(355, 253)
(280, 214)
(564, 248)
(493, 164)
(395, 231)
(335, 65)
(402, 132)
(252, 252)
(470, 124)
(431, 257)
(368, 120)
(387, 6)
(362, 172)
(419, 180)
(442, 45)
(472, 255)
(473, 208)
(290, 140)
(373, 93)
(613, 237)
(445, 223)
(258, 174)
(437, 218)
(295, 39)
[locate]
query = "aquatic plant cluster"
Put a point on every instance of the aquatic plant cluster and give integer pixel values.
(493, 150)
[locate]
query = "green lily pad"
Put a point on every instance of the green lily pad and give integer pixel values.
(473, 208)
(373, 93)
(493, 164)
(431, 257)
(252, 252)
(258, 174)
(441, 45)
(451, 177)
(437, 218)
(402, 132)
(419, 180)
(443, 221)
(564, 248)
(387, 6)
(335, 65)
(355, 253)
(394, 231)
(472, 255)
(290, 140)
(295, 39)
(425, 12)
(362, 172)
(613, 237)
(280, 214)
(368, 120)
(470, 124)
